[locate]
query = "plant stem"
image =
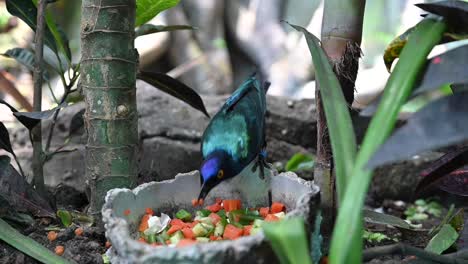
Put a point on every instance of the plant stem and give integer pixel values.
(341, 38)
(36, 133)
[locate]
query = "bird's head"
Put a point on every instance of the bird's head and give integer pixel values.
(213, 171)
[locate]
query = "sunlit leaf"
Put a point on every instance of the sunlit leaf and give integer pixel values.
(442, 123)
(148, 9)
(300, 161)
(289, 240)
(27, 245)
(442, 240)
(175, 88)
(150, 29)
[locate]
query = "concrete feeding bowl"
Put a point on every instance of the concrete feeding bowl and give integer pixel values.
(300, 197)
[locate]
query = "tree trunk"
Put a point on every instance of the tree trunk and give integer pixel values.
(108, 74)
(341, 40)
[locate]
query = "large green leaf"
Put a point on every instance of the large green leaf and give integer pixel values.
(442, 240)
(59, 36)
(289, 241)
(348, 227)
(148, 9)
(339, 122)
(27, 245)
(150, 29)
(27, 11)
(175, 88)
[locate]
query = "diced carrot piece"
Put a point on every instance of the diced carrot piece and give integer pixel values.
(194, 202)
(231, 205)
(174, 229)
(79, 231)
(142, 240)
(144, 223)
(215, 217)
(127, 212)
(59, 250)
(264, 211)
(178, 222)
(232, 232)
(277, 207)
(201, 201)
(247, 229)
(168, 242)
(149, 211)
(214, 207)
(186, 242)
(271, 218)
(219, 201)
(52, 235)
(188, 233)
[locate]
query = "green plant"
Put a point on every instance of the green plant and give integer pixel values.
(422, 209)
(374, 237)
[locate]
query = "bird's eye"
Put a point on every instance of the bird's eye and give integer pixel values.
(220, 174)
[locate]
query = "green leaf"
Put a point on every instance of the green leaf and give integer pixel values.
(442, 240)
(339, 122)
(150, 29)
(300, 161)
(348, 226)
(289, 241)
(148, 9)
(27, 11)
(65, 217)
(58, 34)
(26, 58)
(175, 88)
(385, 219)
(27, 245)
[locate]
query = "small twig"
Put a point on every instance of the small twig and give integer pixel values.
(36, 133)
(403, 249)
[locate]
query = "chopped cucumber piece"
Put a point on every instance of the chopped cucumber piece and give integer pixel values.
(208, 227)
(258, 223)
(151, 238)
(219, 229)
(255, 230)
(164, 235)
(203, 213)
(199, 231)
(206, 220)
(202, 239)
(176, 237)
(183, 215)
(237, 225)
(161, 239)
(280, 214)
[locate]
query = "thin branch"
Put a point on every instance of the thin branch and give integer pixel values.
(36, 133)
(403, 249)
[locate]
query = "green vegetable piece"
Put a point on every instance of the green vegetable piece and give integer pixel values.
(164, 235)
(176, 237)
(237, 225)
(203, 213)
(202, 239)
(258, 223)
(222, 213)
(206, 220)
(255, 230)
(161, 239)
(219, 229)
(199, 231)
(183, 215)
(151, 238)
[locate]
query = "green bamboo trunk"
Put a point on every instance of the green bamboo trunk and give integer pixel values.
(108, 74)
(341, 39)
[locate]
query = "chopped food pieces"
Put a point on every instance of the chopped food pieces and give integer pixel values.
(222, 220)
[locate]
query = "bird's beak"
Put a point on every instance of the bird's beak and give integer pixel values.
(204, 191)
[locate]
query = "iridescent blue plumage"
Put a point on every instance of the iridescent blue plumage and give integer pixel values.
(235, 136)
